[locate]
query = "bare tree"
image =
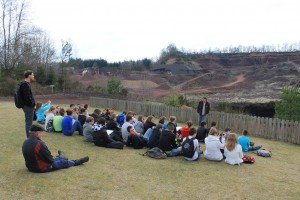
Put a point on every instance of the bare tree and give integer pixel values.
(13, 31)
(66, 53)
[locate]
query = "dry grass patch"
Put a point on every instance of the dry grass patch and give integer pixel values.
(125, 174)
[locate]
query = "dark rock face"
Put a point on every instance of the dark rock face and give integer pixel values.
(255, 109)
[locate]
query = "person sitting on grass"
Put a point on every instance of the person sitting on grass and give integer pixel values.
(82, 116)
(212, 125)
(88, 129)
(155, 135)
(139, 125)
(75, 112)
(124, 130)
(40, 111)
(162, 120)
(195, 153)
(134, 119)
(49, 119)
(244, 141)
(135, 140)
(167, 142)
(202, 132)
(213, 146)
(173, 121)
(57, 121)
(69, 126)
(112, 124)
(148, 124)
(121, 118)
(102, 139)
(38, 158)
(86, 107)
(233, 151)
(186, 129)
(96, 114)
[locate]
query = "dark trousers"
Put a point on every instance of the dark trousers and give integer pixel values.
(60, 163)
(29, 113)
(117, 136)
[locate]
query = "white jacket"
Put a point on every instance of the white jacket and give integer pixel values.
(235, 156)
(213, 146)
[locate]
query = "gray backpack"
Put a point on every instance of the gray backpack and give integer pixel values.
(263, 153)
(155, 152)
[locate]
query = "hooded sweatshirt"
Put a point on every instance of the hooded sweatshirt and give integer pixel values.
(213, 146)
(87, 132)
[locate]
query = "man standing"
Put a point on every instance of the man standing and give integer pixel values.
(38, 158)
(203, 110)
(27, 99)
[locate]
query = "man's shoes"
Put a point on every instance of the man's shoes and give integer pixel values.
(61, 154)
(84, 159)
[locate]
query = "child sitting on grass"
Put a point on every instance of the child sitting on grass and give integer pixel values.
(40, 111)
(191, 154)
(135, 140)
(244, 141)
(186, 129)
(88, 129)
(49, 119)
(233, 151)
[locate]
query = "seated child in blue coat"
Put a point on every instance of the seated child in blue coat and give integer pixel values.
(244, 141)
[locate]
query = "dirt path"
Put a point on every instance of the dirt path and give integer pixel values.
(240, 78)
(179, 86)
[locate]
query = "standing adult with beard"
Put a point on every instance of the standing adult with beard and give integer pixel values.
(27, 99)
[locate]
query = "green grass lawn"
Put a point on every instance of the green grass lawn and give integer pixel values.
(125, 174)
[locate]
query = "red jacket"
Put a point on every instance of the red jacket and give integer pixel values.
(185, 131)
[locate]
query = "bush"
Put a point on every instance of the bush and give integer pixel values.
(174, 99)
(289, 106)
(225, 107)
(115, 87)
(7, 86)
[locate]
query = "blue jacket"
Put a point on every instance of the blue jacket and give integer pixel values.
(40, 113)
(66, 125)
(244, 141)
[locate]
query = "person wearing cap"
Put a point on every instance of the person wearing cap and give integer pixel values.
(38, 157)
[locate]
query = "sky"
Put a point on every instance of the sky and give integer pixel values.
(118, 30)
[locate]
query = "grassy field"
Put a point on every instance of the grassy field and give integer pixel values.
(125, 174)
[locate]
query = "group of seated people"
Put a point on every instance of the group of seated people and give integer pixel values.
(107, 129)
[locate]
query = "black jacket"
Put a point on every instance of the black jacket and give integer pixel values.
(154, 138)
(136, 141)
(101, 138)
(81, 119)
(202, 133)
(200, 107)
(26, 94)
(148, 125)
(167, 141)
(112, 125)
(37, 156)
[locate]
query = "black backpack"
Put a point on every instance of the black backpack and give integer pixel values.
(49, 126)
(18, 98)
(188, 149)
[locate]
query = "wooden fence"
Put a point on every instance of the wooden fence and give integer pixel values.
(270, 128)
